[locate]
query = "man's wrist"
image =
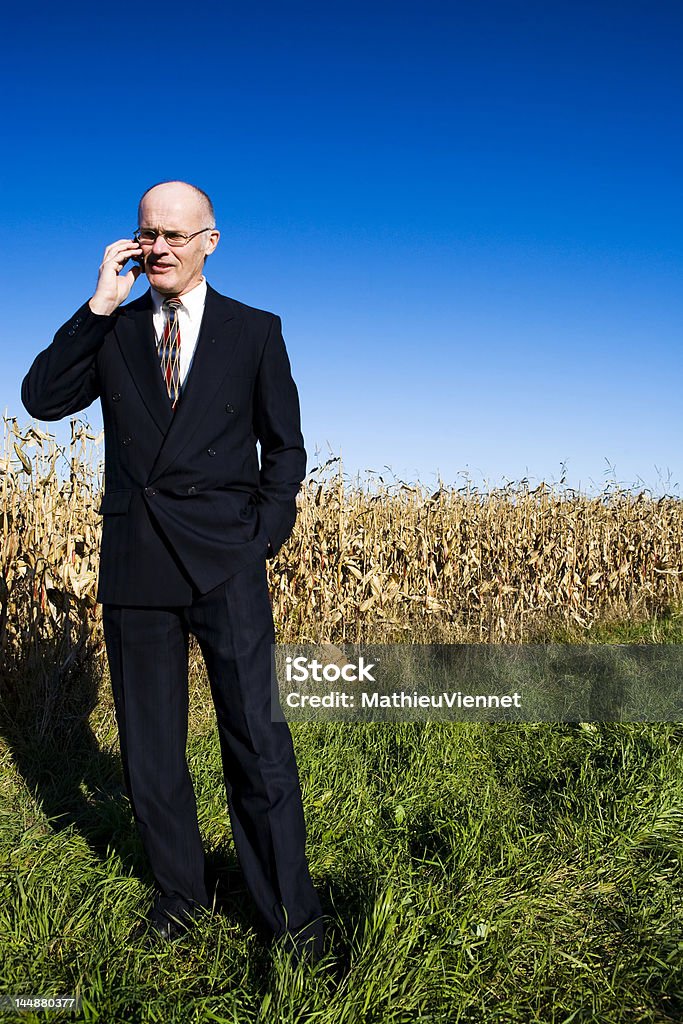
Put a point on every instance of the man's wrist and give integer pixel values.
(100, 308)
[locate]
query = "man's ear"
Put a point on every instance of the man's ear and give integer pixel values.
(212, 242)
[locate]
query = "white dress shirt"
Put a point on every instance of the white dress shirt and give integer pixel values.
(189, 321)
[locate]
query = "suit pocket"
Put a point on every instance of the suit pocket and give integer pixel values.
(115, 503)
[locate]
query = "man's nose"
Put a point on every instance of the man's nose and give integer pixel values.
(160, 245)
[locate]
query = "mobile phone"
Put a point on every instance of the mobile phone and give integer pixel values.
(140, 260)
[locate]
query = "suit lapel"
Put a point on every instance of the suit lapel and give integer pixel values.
(218, 337)
(135, 334)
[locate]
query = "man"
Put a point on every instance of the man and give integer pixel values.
(189, 381)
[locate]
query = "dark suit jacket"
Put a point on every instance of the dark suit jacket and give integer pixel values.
(186, 503)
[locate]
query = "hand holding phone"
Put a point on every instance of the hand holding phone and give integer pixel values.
(113, 285)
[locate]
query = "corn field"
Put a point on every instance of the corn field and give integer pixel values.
(377, 564)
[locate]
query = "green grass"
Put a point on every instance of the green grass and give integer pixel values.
(666, 628)
(502, 874)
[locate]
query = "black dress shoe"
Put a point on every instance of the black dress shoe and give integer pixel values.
(169, 918)
(305, 946)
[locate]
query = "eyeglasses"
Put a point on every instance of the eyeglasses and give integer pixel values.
(176, 239)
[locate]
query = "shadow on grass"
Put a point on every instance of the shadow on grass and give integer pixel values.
(47, 694)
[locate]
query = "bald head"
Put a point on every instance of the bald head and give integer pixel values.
(183, 196)
(176, 208)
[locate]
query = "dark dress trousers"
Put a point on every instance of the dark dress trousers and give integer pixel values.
(189, 516)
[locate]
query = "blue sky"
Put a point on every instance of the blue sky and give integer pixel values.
(468, 215)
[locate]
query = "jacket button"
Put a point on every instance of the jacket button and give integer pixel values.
(116, 397)
(229, 408)
(192, 489)
(211, 452)
(126, 441)
(150, 492)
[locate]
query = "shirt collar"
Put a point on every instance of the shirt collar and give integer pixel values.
(192, 301)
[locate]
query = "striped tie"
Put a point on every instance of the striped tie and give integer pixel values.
(168, 349)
